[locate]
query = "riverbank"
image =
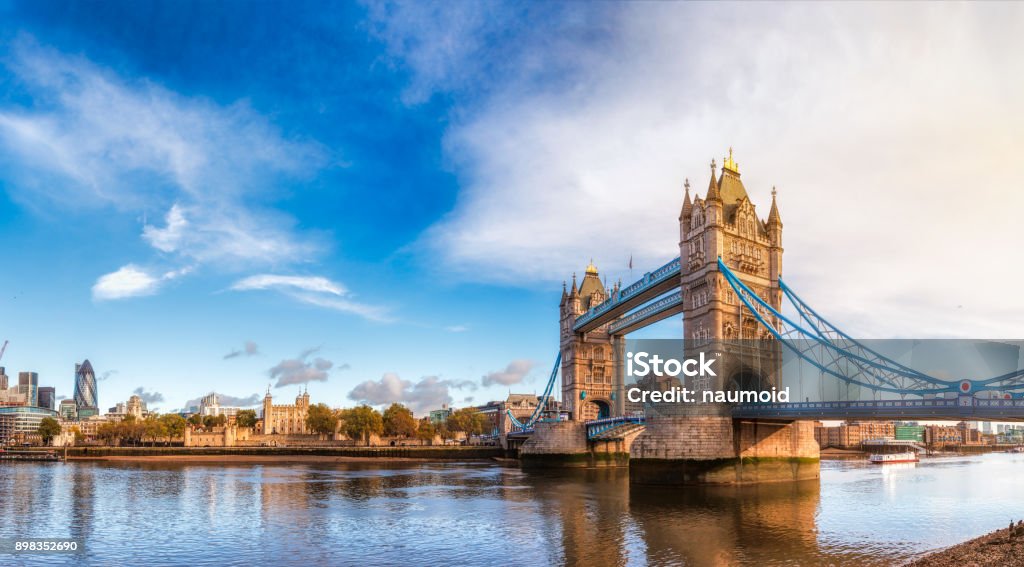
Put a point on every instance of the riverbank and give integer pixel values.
(1003, 547)
(280, 454)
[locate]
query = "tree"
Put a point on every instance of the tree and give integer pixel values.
(321, 419)
(426, 430)
(468, 421)
(108, 432)
(246, 418)
(195, 420)
(79, 437)
(174, 423)
(362, 422)
(399, 421)
(215, 421)
(48, 429)
(153, 429)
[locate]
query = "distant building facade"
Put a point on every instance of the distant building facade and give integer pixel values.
(68, 410)
(285, 419)
(210, 405)
(28, 385)
(47, 397)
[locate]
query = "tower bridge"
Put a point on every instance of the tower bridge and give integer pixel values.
(727, 285)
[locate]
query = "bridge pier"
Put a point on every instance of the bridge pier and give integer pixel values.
(565, 444)
(677, 450)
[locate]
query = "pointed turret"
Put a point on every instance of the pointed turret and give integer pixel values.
(565, 294)
(687, 204)
(713, 186)
(773, 215)
(575, 291)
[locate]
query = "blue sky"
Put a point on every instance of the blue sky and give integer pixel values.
(383, 199)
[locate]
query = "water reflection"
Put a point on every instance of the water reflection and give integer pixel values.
(364, 513)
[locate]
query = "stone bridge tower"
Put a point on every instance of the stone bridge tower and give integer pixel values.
(703, 443)
(589, 369)
(724, 224)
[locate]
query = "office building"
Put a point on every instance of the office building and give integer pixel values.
(68, 410)
(47, 397)
(28, 385)
(86, 394)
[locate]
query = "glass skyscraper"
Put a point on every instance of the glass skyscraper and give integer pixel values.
(86, 394)
(28, 385)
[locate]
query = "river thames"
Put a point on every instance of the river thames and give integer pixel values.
(481, 513)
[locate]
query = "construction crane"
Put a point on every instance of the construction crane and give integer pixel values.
(2, 349)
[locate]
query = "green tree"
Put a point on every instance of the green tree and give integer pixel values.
(79, 437)
(246, 418)
(175, 425)
(321, 419)
(215, 421)
(153, 429)
(195, 420)
(399, 421)
(362, 422)
(426, 430)
(48, 429)
(468, 421)
(130, 430)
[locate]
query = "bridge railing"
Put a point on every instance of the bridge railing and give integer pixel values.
(650, 278)
(599, 426)
(939, 408)
(667, 302)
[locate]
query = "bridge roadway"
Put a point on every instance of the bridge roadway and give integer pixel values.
(962, 408)
(650, 286)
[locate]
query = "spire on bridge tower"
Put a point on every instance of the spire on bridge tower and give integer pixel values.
(687, 204)
(575, 290)
(713, 186)
(773, 214)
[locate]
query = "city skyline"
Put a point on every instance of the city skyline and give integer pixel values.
(235, 212)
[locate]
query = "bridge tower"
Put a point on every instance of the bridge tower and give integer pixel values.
(591, 380)
(703, 443)
(724, 224)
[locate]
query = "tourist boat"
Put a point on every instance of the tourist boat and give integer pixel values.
(887, 458)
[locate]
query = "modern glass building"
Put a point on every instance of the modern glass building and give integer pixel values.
(16, 421)
(47, 397)
(28, 385)
(68, 410)
(86, 395)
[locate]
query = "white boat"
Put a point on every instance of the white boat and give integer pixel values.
(887, 458)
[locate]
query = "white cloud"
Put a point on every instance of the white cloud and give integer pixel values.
(91, 139)
(132, 281)
(313, 290)
(891, 131)
(129, 281)
(429, 393)
(301, 370)
(306, 283)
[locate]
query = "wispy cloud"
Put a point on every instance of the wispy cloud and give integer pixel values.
(92, 139)
(250, 349)
(148, 397)
(512, 374)
(852, 111)
(132, 281)
(314, 290)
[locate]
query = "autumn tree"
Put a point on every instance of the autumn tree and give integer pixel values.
(321, 419)
(362, 422)
(468, 421)
(426, 430)
(399, 421)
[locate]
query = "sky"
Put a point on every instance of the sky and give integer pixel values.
(379, 201)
